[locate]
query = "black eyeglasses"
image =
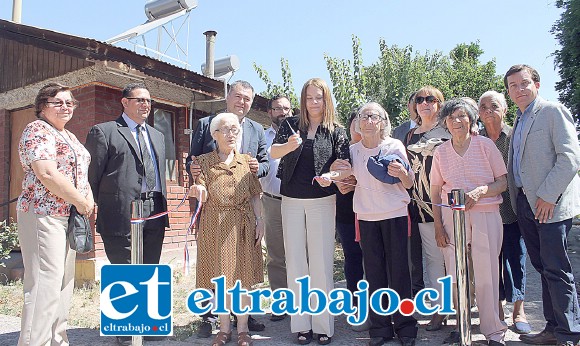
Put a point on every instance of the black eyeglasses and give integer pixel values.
(141, 100)
(428, 99)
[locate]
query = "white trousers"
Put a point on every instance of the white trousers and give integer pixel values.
(49, 267)
(434, 264)
(309, 226)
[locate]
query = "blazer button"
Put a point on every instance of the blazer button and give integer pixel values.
(139, 180)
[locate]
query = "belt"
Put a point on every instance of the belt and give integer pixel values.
(272, 196)
(151, 194)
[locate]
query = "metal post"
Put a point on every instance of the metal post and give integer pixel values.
(137, 248)
(463, 308)
(17, 11)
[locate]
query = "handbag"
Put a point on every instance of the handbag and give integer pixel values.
(78, 232)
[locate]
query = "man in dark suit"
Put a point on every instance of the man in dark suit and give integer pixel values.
(128, 163)
(251, 141)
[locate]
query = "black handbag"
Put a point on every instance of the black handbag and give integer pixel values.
(78, 232)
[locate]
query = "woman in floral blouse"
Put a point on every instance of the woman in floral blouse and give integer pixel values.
(307, 145)
(48, 153)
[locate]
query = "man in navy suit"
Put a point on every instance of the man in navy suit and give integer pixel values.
(252, 141)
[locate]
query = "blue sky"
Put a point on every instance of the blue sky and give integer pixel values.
(262, 31)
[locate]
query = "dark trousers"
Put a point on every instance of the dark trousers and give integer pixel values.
(546, 244)
(118, 248)
(512, 264)
(416, 258)
(353, 258)
(384, 246)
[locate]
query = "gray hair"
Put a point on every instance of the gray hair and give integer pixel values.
(497, 96)
(219, 119)
(452, 105)
(241, 84)
(382, 112)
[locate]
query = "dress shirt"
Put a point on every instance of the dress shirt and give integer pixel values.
(517, 144)
(133, 126)
(270, 183)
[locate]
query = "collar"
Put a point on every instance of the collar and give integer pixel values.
(528, 109)
(130, 122)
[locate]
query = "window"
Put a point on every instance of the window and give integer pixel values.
(163, 121)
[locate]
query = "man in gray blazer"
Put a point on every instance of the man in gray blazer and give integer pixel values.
(544, 187)
(253, 141)
(121, 172)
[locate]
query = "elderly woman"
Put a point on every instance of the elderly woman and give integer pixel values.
(308, 145)
(231, 224)
(421, 142)
(512, 285)
(52, 159)
(472, 163)
(383, 221)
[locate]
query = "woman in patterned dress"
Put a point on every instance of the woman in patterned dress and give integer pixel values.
(47, 153)
(231, 224)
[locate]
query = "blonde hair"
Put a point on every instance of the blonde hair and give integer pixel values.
(328, 117)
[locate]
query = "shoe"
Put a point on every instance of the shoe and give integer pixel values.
(155, 338)
(378, 340)
(324, 339)
(522, 327)
(366, 325)
(436, 323)
(244, 339)
(124, 340)
(542, 338)
(276, 318)
(222, 338)
(495, 343)
(205, 329)
(254, 325)
(453, 338)
(567, 343)
(407, 341)
(304, 338)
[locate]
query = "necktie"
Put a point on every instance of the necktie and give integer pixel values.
(147, 161)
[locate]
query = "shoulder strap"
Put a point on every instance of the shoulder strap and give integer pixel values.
(409, 135)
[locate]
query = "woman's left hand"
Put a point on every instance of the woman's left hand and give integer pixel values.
(259, 232)
(472, 197)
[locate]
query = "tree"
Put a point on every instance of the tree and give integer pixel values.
(567, 59)
(286, 88)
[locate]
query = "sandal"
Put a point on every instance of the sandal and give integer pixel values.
(304, 338)
(324, 339)
(244, 339)
(222, 338)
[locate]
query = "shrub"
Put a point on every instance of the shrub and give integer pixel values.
(8, 238)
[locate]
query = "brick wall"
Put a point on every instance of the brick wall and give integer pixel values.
(4, 161)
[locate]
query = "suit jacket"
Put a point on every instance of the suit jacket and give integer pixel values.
(253, 143)
(550, 160)
(400, 132)
(116, 173)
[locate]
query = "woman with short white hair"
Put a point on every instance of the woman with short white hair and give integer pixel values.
(231, 223)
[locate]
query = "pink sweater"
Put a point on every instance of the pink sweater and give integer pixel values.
(480, 165)
(374, 200)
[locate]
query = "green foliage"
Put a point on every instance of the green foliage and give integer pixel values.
(8, 238)
(567, 59)
(273, 89)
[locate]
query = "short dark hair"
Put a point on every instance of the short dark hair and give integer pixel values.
(242, 84)
(468, 105)
(518, 68)
(130, 87)
(47, 91)
(277, 97)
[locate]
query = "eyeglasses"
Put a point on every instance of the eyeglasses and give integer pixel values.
(141, 100)
(60, 103)
(371, 117)
(428, 99)
(279, 109)
(227, 130)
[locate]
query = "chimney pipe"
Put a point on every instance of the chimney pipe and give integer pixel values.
(209, 52)
(17, 11)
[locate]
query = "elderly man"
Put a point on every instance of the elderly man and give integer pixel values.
(279, 108)
(543, 164)
(252, 141)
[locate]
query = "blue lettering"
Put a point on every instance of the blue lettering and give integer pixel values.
(199, 295)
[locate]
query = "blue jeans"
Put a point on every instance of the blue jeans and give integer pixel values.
(353, 258)
(546, 244)
(512, 262)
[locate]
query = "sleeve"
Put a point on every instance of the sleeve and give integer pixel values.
(435, 175)
(496, 160)
(97, 146)
(262, 154)
(341, 144)
(284, 132)
(36, 144)
(197, 142)
(255, 186)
